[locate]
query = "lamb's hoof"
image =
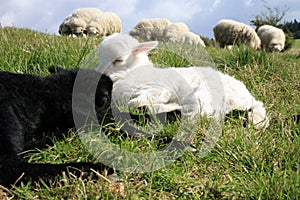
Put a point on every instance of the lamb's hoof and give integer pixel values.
(192, 149)
(115, 178)
(262, 124)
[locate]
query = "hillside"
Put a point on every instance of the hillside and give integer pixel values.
(244, 164)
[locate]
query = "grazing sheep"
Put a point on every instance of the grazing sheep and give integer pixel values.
(271, 37)
(76, 22)
(105, 24)
(150, 29)
(192, 39)
(193, 90)
(174, 31)
(230, 32)
(32, 109)
(162, 29)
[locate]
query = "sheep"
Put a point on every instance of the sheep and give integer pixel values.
(162, 29)
(174, 31)
(192, 90)
(35, 107)
(271, 37)
(192, 39)
(105, 24)
(230, 32)
(150, 29)
(76, 22)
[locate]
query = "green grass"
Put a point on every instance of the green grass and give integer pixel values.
(244, 164)
(296, 44)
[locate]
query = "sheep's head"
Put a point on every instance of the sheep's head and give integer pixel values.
(120, 53)
(92, 31)
(276, 46)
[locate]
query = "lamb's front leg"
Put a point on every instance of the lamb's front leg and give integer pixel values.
(156, 99)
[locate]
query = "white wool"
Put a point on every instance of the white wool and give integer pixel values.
(76, 22)
(161, 29)
(105, 24)
(193, 90)
(151, 28)
(229, 32)
(174, 31)
(271, 37)
(191, 39)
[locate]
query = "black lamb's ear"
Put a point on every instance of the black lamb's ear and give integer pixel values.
(56, 69)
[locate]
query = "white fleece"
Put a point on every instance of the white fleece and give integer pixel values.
(192, 90)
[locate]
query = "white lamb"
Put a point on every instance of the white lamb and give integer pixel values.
(174, 31)
(76, 22)
(105, 24)
(193, 90)
(271, 37)
(230, 32)
(192, 39)
(150, 29)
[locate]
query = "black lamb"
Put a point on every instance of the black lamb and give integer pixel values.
(32, 108)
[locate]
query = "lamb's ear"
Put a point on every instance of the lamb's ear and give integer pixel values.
(144, 47)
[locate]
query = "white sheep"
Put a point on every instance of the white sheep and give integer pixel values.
(150, 29)
(193, 90)
(174, 31)
(76, 22)
(230, 32)
(271, 37)
(105, 24)
(192, 39)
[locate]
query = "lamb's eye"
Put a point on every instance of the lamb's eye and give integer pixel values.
(117, 61)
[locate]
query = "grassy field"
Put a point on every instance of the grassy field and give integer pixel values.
(244, 164)
(296, 44)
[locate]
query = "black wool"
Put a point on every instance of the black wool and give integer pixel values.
(33, 107)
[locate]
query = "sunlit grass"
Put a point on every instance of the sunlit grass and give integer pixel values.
(296, 44)
(244, 164)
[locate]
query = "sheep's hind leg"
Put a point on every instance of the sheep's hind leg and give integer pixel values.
(256, 112)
